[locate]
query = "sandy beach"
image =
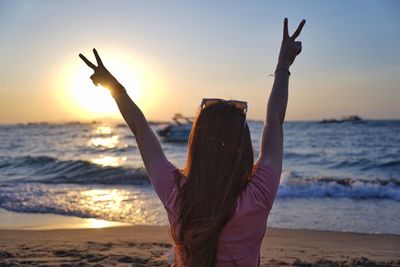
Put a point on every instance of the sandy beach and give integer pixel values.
(149, 245)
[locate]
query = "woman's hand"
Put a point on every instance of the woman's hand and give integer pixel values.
(101, 75)
(289, 48)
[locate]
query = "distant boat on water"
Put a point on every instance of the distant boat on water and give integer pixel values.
(353, 118)
(177, 131)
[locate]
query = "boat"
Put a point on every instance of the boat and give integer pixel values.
(178, 130)
(353, 118)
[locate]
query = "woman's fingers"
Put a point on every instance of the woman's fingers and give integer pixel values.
(285, 28)
(90, 64)
(98, 59)
(299, 28)
(297, 46)
(94, 79)
(100, 75)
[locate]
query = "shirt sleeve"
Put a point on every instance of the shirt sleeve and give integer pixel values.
(264, 184)
(162, 176)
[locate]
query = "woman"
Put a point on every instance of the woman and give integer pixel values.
(219, 203)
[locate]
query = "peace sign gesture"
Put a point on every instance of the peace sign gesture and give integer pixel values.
(289, 48)
(101, 75)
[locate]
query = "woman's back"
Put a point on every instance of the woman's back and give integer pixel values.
(240, 240)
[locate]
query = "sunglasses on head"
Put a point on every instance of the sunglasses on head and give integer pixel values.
(241, 105)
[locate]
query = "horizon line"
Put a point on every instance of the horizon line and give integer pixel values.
(111, 120)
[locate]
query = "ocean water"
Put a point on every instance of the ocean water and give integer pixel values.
(342, 177)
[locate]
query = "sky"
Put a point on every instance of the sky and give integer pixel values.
(171, 54)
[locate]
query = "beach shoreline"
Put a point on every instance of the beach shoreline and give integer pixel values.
(150, 245)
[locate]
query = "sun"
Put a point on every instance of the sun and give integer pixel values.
(97, 100)
(92, 99)
(83, 100)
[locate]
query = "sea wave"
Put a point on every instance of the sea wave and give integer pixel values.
(340, 188)
(49, 170)
(46, 169)
(367, 164)
(137, 205)
(101, 201)
(93, 150)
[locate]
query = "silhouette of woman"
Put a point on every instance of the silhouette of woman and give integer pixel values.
(219, 203)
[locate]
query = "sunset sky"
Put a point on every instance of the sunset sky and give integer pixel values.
(171, 54)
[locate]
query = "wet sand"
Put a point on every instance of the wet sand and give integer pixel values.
(149, 245)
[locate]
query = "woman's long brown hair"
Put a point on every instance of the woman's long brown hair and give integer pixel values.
(219, 162)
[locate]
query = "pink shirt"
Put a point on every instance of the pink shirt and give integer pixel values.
(240, 240)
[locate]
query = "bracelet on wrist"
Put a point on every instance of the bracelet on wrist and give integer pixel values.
(282, 69)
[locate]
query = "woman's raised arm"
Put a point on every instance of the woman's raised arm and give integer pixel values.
(149, 146)
(271, 146)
